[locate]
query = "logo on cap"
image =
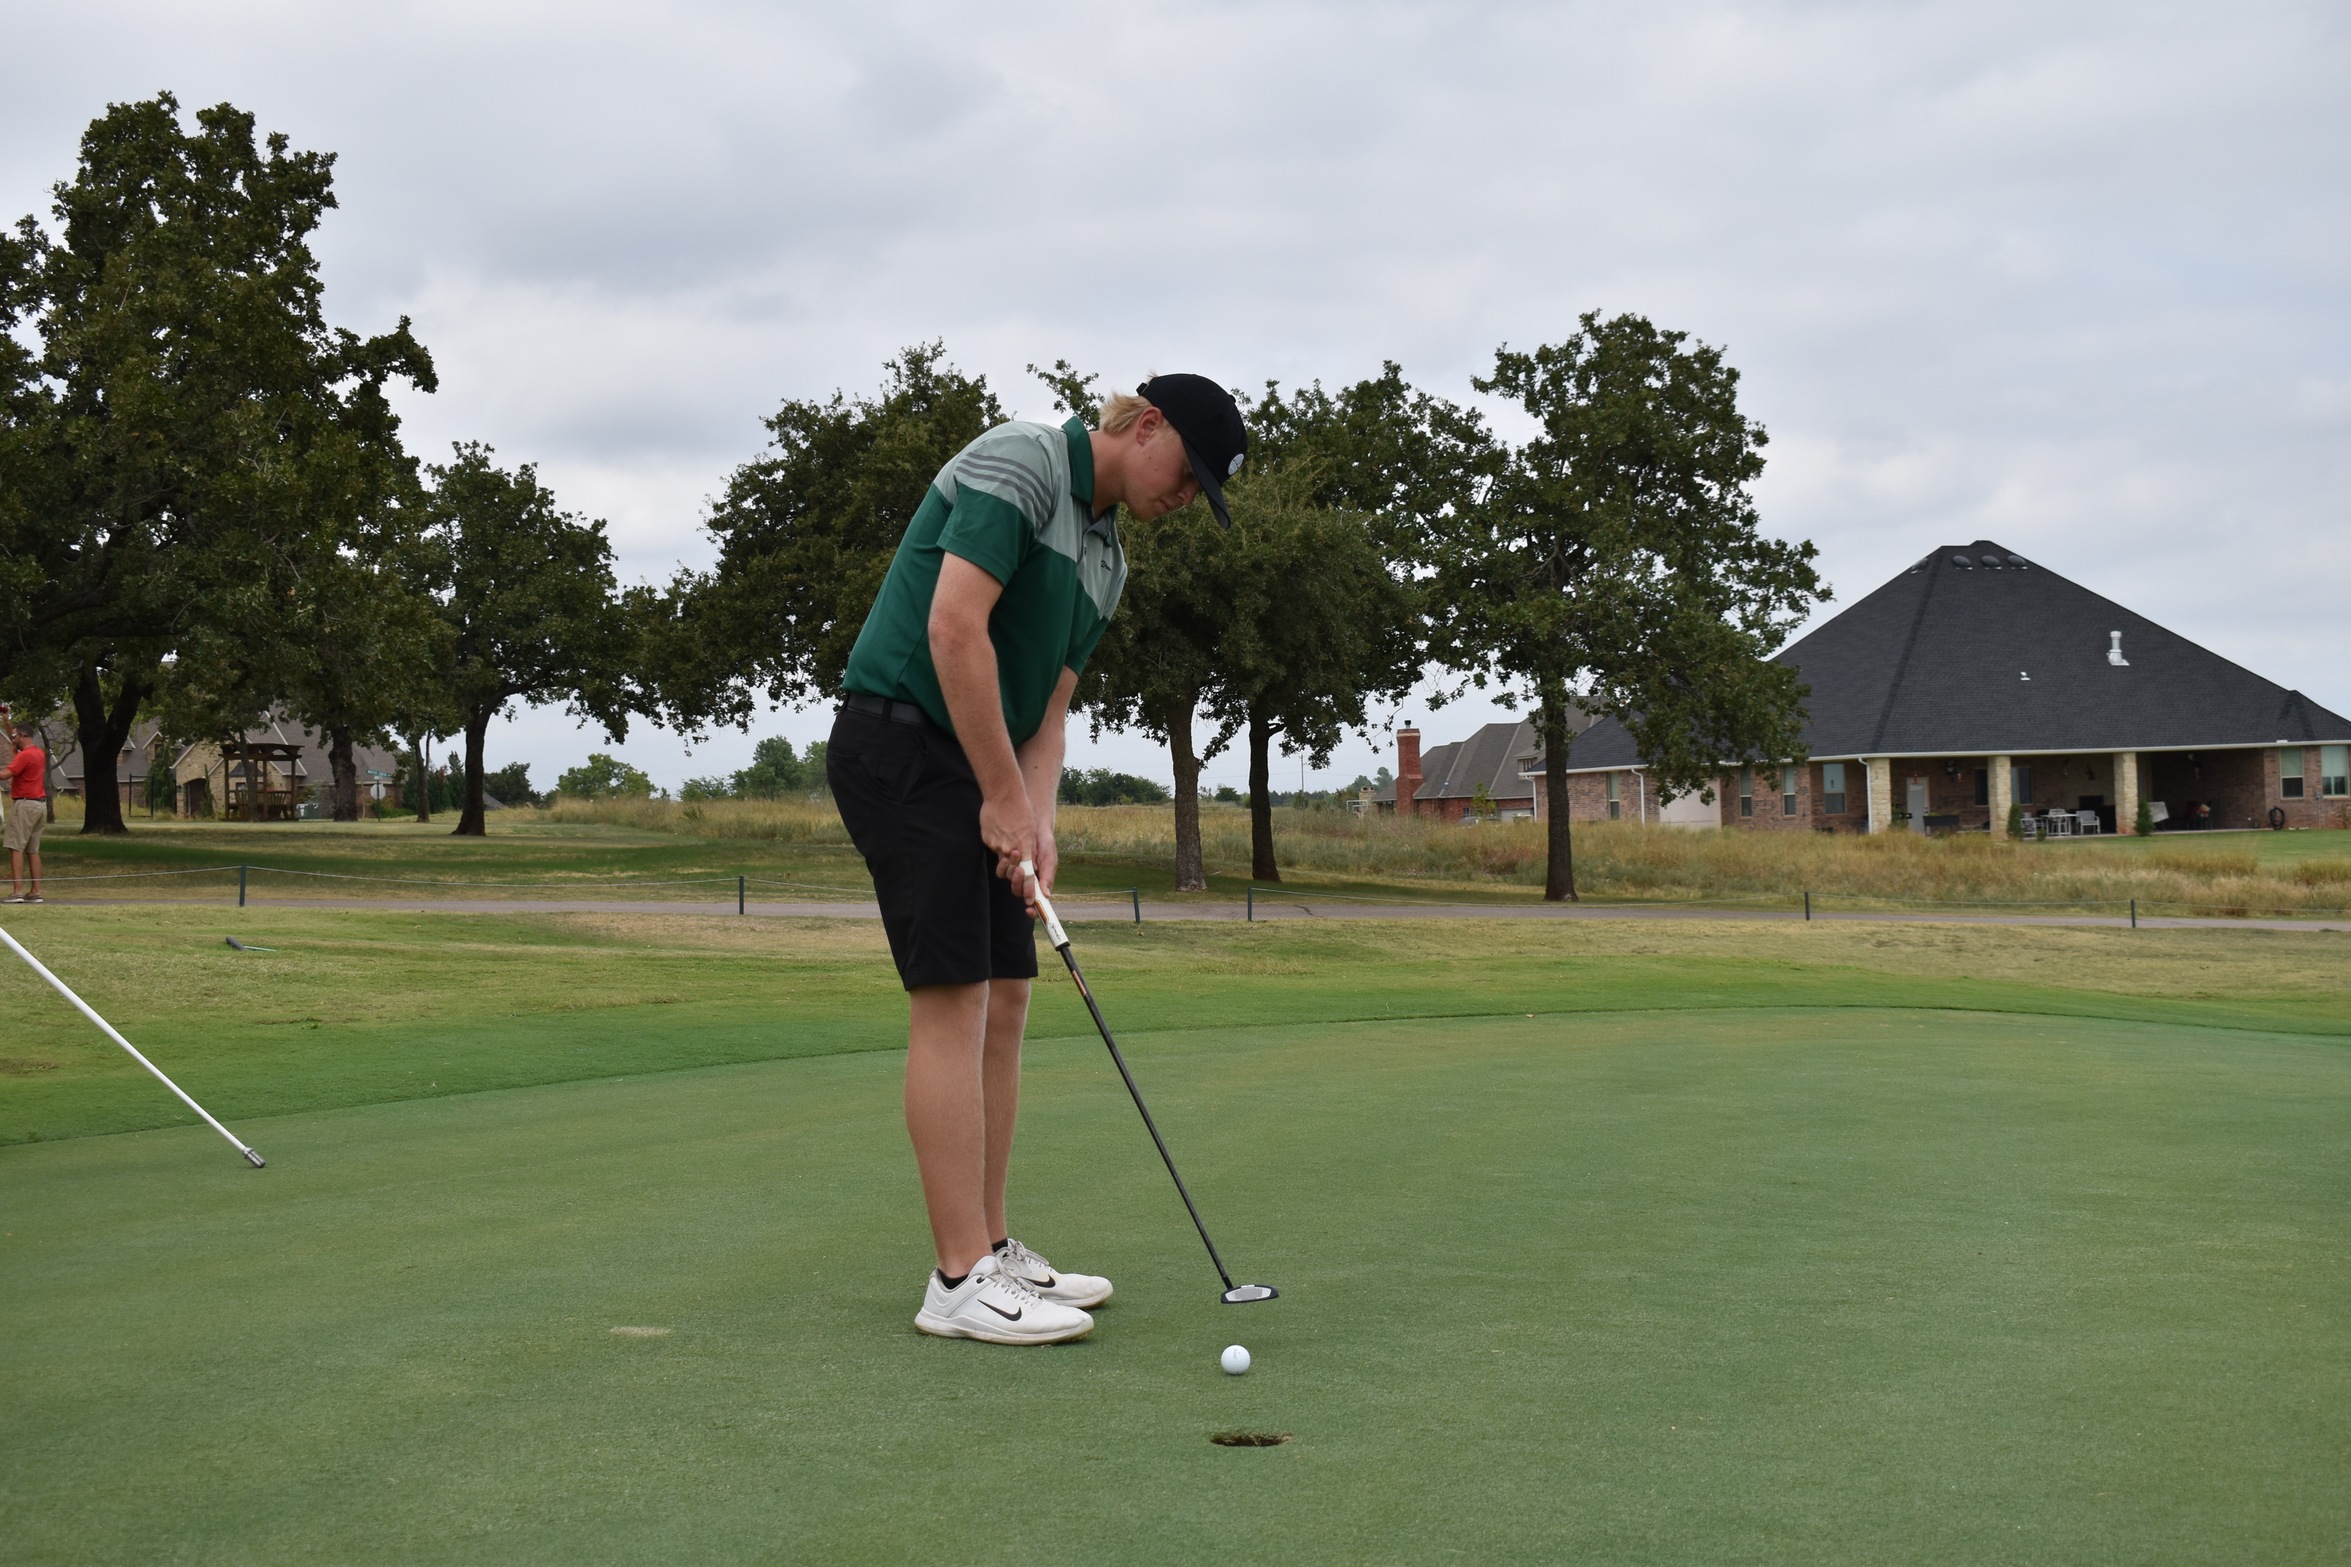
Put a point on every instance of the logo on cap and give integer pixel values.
(1235, 468)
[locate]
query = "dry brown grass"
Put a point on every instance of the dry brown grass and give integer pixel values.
(778, 821)
(1616, 859)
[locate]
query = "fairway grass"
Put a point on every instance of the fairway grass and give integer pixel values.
(367, 1007)
(1754, 1283)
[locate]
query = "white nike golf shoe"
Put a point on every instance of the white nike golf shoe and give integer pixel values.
(997, 1305)
(1068, 1289)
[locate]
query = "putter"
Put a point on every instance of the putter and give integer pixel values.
(106, 1028)
(1234, 1294)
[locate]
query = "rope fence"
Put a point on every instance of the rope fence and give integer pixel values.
(1804, 903)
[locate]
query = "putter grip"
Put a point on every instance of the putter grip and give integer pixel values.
(1053, 931)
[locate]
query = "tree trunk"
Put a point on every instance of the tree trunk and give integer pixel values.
(471, 822)
(1261, 862)
(1190, 866)
(420, 750)
(101, 728)
(343, 776)
(1559, 867)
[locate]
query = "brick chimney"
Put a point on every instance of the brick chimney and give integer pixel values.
(1408, 778)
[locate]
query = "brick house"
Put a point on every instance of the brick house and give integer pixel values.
(1977, 679)
(1445, 781)
(1506, 762)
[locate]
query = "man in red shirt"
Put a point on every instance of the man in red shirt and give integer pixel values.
(28, 811)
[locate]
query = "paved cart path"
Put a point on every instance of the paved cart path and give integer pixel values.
(1268, 907)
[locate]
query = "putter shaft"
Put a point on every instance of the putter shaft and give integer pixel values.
(1060, 940)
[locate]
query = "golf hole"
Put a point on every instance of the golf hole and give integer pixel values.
(641, 1332)
(1249, 1438)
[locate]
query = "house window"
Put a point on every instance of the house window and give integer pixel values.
(1832, 788)
(2020, 785)
(1746, 791)
(2334, 764)
(1787, 791)
(2290, 772)
(1615, 799)
(1983, 786)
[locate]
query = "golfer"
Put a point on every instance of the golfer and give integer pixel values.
(28, 811)
(946, 764)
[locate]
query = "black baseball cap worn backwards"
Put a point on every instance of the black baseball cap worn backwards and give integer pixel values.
(1209, 422)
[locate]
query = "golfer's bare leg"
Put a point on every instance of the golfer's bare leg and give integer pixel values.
(36, 858)
(16, 872)
(1008, 1019)
(946, 1116)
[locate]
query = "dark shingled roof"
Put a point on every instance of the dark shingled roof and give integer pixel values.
(1976, 651)
(1492, 757)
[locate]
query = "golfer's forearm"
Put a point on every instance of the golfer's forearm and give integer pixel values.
(966, 662)
(1040, 769)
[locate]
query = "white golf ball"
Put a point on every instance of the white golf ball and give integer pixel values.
(1235, 1360)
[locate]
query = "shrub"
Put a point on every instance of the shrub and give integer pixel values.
(603, 777)
(1100, 786)
(511, 785)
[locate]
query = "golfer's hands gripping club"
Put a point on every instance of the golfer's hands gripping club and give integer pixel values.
(1044, 906)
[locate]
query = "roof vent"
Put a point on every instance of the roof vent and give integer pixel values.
(1959, 558)
(1992, 561)
(2016, 561)
(2114, 652)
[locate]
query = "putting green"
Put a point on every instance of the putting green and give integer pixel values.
(1763, 1285)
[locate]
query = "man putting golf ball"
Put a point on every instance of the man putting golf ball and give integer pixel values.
(946, 764)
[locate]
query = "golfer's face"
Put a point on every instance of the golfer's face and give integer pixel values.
(1160, 480)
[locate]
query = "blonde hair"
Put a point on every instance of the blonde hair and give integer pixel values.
(1120, 410)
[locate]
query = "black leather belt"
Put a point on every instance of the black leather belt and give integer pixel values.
(884, 707)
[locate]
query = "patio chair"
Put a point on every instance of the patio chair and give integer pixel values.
(2057, 824)
(2090, 823)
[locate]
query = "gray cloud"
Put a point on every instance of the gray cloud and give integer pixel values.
(2074, 277)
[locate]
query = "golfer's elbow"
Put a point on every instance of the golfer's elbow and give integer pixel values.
(955, 634)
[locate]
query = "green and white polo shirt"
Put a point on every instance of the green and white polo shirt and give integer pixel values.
(1019, 504)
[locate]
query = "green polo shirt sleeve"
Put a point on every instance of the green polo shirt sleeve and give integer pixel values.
(987, 530)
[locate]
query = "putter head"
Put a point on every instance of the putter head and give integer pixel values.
(255, 1159)
(1243, 1294)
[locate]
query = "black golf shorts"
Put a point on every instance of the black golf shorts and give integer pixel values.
(912, 806)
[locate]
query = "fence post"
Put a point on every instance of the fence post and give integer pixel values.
(740, 883)
(1808, 905)
(1136, 893)
(240, 886)
(2134, 914)
(1253, 903)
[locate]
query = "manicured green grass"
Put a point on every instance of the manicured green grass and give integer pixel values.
(1693, 1241)
(1756, 1284)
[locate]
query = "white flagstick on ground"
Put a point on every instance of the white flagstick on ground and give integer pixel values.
(107, 1029)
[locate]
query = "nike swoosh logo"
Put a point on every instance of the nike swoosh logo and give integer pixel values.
(1009, 1316)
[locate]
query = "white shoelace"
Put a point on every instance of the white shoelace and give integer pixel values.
(1019, 1260)
(1014, 1285)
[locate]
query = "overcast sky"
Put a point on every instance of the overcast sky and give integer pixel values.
(2073, 277)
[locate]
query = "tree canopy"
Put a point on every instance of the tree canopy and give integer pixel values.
(527, 595)
(1617, 565)
(188, 434)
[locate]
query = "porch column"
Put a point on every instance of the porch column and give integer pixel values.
(2003, 791)
(2126, 791)
(1881, 793)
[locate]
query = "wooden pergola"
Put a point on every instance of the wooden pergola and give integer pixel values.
(247, 795)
